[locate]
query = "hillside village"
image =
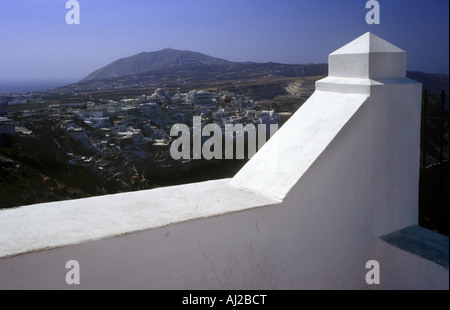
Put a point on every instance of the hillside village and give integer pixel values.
(118, 140)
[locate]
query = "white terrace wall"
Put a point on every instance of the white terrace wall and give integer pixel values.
(306, 212)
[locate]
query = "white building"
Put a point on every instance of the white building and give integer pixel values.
(179, 97)
(200, 98)
(160, 95)
(97, 113)
(98, 122)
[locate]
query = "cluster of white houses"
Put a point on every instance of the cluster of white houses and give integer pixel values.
(131, 123)
(136, 129)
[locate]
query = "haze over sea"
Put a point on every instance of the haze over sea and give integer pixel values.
(31, 85)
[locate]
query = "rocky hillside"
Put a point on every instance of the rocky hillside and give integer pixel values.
(145, 62)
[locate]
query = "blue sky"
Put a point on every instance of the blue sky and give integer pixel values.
(36, 43)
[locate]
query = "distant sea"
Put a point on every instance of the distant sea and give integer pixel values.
(20, 86)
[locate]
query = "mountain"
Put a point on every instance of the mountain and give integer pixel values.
(150, 61)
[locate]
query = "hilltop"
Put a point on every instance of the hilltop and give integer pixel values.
(149, 61)
(176, 61)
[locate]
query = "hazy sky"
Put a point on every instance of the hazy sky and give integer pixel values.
(37, 43)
